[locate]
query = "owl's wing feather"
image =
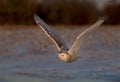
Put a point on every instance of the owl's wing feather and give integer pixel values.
(81, 38)
(55, 37)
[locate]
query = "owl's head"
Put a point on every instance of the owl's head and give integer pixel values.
(64, 57)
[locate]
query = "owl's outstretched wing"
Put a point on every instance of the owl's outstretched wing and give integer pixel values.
(55, 37)
(83, 36)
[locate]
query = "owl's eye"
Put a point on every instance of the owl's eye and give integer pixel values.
(62, 55)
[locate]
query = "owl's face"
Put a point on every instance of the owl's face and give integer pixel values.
(63, 57)
(66, 57)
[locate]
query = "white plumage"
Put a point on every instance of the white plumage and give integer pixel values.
(65, 54)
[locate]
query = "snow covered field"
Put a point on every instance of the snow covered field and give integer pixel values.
(27, 55)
